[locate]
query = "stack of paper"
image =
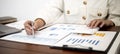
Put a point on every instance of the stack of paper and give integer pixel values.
(50, 35)
(98, 41)
(67, 34)
(72, 28)
(18, 24)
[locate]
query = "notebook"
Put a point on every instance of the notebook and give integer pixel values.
(7, 19)
(5, 30)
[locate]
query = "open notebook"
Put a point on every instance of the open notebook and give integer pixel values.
(67, 34)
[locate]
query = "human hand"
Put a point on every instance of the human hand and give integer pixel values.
(29, 27)
(36, 25)
(100, 23)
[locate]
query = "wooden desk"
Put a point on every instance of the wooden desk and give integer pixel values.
(9, 47)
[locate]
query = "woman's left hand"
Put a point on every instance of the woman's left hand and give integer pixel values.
(100, 23)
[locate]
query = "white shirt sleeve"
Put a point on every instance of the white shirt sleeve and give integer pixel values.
(51, 12)
(114, 11)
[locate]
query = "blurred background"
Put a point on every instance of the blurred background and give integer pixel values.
(21, 9)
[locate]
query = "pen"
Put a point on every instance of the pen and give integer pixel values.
(32, 27)
(83, 34)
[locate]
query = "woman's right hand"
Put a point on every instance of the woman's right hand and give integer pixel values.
(28, 27)
(33, 26)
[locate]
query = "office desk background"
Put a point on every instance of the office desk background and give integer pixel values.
(21, 9)
(9, 47)
(28, 9)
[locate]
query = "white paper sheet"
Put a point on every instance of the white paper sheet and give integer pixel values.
(99, 41)
(50, 35)
(42, 38)
(18, 24)
(73, 28)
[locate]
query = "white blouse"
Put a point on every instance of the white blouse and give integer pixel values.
(81, 11)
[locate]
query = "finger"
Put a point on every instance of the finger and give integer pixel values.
(92, 23)
(102, 24)
(97, 24)
(89, 24)
(28, 31)
(27, 24)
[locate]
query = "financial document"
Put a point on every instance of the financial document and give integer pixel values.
(50, 35)
(100, 40)
(40, 38)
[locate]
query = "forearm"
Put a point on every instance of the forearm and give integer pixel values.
(116, 21)
(39, 22)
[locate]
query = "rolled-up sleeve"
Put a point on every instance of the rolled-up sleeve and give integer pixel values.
(51, 12)
(114, 11)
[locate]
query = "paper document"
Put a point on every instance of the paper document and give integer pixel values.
(18, 24)
(98, 41)
(79, 36)
(50, 35)
(73, 28)
(41, 38)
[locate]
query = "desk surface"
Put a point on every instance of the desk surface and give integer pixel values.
(9, 47)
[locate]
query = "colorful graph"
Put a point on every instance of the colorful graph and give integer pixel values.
(81, 41)
(99, 34)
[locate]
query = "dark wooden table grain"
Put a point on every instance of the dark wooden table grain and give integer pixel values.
(10, 47)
